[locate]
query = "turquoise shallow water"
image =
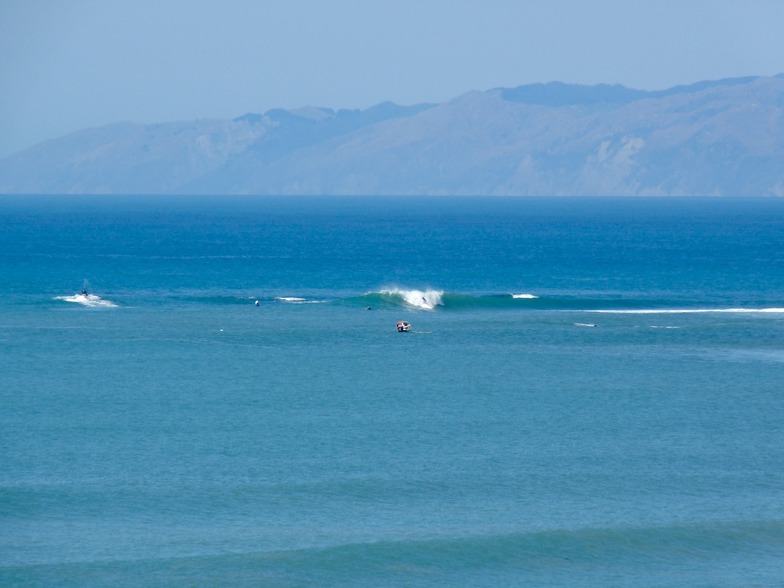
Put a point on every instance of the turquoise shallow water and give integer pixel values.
(167, 431)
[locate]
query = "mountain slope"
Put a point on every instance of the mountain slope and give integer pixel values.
(712, 138)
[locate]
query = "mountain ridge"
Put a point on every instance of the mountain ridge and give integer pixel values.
(713, 138)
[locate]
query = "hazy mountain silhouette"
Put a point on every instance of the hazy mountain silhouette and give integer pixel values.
(722, 137)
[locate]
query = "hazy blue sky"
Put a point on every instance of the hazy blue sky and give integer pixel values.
(69, 64)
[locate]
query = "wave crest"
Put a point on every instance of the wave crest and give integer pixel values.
(298, 300)
(421, 299)
(688, 310)
(89, 300)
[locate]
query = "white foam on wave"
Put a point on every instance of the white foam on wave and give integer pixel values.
(524, 296)
(691, 310)
(297, 300)
(421, 299)
(89, 300)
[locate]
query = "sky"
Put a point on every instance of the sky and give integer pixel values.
(70, 64)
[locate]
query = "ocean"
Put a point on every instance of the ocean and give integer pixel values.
(590, 395)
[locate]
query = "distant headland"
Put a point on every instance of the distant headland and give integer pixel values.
(712, 138)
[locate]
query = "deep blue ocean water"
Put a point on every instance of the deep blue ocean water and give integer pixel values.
(591, 394)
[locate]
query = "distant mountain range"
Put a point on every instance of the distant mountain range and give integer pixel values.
(714, 138)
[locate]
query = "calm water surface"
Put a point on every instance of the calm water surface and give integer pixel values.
(591, 394)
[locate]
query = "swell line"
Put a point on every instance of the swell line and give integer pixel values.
(544, 550)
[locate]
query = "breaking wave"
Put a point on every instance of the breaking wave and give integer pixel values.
(298, 300)
(421, 299)
(434, 300)
(438, 300)
(689, 310)
(88, 300)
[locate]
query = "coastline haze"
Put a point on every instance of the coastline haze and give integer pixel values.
(713, 138)
(89, 64)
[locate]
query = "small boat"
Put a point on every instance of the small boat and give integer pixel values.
(403, 326)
